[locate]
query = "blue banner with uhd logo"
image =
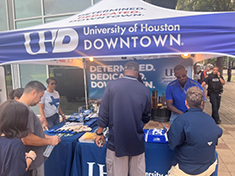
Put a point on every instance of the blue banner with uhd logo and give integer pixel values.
(155, 73)
(210, 33)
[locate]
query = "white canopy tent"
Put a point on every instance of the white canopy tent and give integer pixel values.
(122, 28)
(118, 28)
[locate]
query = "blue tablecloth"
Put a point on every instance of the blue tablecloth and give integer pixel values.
(89, 160)
(73, 158)
(60, 161)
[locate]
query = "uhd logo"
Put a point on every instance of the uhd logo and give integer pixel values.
(57, 40)
(91, 166)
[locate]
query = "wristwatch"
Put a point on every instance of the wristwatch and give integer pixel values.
(99, 134)
(30, 158)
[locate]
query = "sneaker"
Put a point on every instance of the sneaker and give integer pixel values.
(218, 122)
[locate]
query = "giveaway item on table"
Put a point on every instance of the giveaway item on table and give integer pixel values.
(81, 116)
(155, 135)
(88, 137)
(71, 128)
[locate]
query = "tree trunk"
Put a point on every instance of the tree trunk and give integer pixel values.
(219, 64)
(229, 71)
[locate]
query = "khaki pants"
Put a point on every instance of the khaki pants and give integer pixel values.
(176, 171)
(122, 166)
(38, 171)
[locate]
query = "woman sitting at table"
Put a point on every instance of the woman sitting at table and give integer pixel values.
(49, 106)
(13, 126)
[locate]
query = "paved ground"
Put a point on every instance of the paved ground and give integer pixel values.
(226, 146)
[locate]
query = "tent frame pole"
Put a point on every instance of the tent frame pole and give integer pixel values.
(85, 82)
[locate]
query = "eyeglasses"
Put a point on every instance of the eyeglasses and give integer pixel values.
(179, 77)
(52, 84)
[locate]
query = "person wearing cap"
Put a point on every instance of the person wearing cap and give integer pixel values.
(125, 108)
(176, 92)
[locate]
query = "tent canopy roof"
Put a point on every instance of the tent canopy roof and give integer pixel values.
(116, 11)
(115, 28)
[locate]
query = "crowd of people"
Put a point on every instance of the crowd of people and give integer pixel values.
(127, 100)
(125, 109)
(23, 140)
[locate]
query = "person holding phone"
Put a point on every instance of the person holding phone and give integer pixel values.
(215, 84)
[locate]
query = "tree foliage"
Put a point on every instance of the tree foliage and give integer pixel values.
(206, 5)
(210, 6)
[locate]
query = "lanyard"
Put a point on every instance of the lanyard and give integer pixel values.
(183, 89)
(204, 74)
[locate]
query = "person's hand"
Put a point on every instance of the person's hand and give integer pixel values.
(46, 124)
(218, 74)
(64, 117)
(44, 121)
(31, 154)
(100, 141)
(181, 112)
(44, 127)
(54, 140)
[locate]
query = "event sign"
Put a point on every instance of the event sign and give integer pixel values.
(194, 34)
(155, 73)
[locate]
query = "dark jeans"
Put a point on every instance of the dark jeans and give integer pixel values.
(215, 99)
(53, 120)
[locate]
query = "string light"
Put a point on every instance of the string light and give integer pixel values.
(91, 59)
(185, 55)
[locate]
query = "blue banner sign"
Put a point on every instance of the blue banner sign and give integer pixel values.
(155, 73)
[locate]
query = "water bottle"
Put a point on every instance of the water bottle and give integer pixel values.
(79, 110)
(48, 150)
(81, 118)
(92, 108)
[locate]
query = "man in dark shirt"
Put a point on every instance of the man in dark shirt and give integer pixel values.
(194, 136)
(215, 88)
(125, 108)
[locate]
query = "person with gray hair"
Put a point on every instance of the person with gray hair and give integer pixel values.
(194, 97)
(193, 136)
(125, 108)
(36, 140)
